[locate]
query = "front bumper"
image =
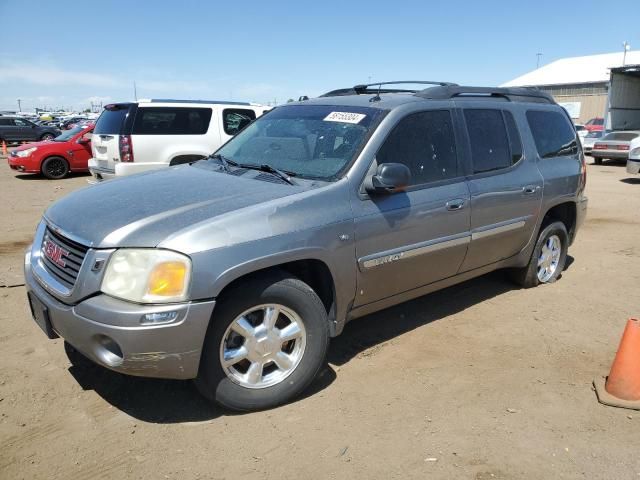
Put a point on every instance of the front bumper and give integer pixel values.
(633, 166)
(108, 331)
(23, 164)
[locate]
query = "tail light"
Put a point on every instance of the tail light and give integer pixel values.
(623, 147)
(583, 171)
(600, 146)
(126, 148)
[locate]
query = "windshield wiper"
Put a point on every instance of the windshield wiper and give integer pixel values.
(224, 161)
(282, 174)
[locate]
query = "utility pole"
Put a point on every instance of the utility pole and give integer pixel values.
(538, 55)
(20, 108)
(625, 48)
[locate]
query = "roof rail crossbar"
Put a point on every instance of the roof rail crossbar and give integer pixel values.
(360, 89)
(522, 94)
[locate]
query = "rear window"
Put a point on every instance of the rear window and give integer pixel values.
(111, 121)
(171, 121)
(553, 133)
(621, 136)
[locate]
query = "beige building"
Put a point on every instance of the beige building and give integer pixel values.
(579, 84)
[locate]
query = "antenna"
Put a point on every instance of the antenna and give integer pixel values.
(538, 55)
(377, 98)
(135, 92)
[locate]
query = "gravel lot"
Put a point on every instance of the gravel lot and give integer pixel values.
(480, 381)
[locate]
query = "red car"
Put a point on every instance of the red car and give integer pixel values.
(595, 125)
(69, 152)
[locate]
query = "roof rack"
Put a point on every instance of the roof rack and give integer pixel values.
(361, 89)
(172, 100)
(521, 94)
(375, 88)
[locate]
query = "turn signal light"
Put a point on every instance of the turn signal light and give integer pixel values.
(167, 279)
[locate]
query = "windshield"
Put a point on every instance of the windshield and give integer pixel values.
(310, 141)
(68, 134)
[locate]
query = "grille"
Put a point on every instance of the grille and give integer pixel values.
(69, 256)
(267, 177)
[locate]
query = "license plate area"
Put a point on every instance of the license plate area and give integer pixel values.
(40, 315)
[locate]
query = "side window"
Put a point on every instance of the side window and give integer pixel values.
(553, 134)
(20, 123)
(235, 119)
(171, 121)
(5, 122)
(514, 137)
(488, 138)
(425, 143)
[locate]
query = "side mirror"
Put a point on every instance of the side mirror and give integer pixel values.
(388, 178)
(84, 141)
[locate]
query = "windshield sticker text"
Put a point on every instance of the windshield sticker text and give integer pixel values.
(344, 117)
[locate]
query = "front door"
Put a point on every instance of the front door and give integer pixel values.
(420, 235)
(505, 186)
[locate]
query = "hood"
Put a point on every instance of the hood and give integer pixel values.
(26, 146)
(142, 210)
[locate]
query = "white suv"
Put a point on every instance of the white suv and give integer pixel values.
(145, 135)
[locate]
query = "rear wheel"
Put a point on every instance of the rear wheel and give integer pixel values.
(548, 258)
(55, 168)
(597, 160)
(266, 342)
(47, 137)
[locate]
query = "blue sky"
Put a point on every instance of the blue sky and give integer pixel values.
(67, 53)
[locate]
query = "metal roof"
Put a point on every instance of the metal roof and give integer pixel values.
(575, 70)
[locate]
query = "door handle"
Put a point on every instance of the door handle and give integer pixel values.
(530, 189)
(456, 204)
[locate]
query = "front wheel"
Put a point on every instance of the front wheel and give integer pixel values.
(266, 342)
(55, 168)
(548, 258)
(47, 137)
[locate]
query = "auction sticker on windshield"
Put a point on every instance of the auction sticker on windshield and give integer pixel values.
(344, 117)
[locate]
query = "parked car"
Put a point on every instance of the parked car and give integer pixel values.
(68, 152)
(614, 146)
(633, 162)
(595, 124)
(581, 130)
(68, 123)
(236, 270)
(15, 129)
(589, 139)
(135, 137)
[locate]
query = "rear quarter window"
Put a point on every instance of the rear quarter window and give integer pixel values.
(171, 121)
(553, 134)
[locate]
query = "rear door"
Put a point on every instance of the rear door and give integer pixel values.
(114, 121)
(505, 186)
(164, 133)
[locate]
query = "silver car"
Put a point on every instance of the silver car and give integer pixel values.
(237, 270)
(613, 146)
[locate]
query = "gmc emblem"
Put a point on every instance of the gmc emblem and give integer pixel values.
(55, 253)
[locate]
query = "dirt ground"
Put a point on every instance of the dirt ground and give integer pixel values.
(480, 381)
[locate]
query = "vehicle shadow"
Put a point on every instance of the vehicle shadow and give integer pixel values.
(631, 180)
(39, 176)
(176, 401)
(163, 401)
(367, 332)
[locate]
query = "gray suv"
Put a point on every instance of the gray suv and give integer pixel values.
(236, 270)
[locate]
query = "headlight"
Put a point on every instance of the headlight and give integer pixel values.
(26, 153)
(147, 275)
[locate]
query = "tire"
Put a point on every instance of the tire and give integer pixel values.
(232, 386)
(531, 276)
(55, 168)
(47, 136)
(597, 160)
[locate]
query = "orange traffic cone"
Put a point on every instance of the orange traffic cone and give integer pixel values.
(4, 148)
(622, 387)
